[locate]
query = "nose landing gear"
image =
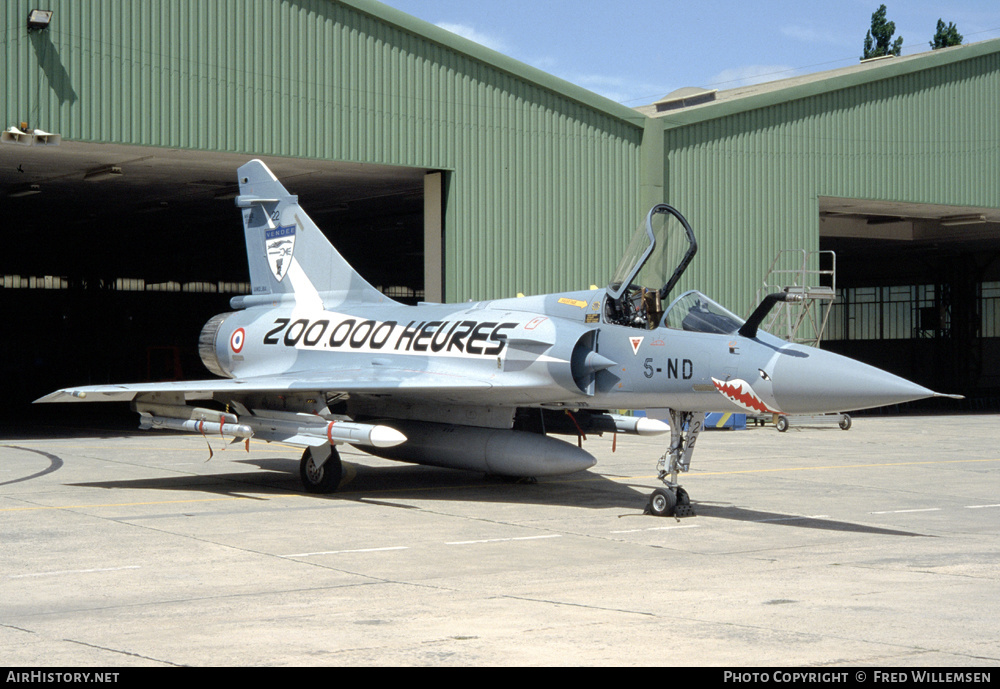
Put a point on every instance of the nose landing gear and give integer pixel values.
(673, 500)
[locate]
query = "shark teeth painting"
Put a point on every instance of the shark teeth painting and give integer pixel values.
(740, 392)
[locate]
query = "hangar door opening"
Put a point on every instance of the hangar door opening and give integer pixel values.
(116, 256)
(918, 292)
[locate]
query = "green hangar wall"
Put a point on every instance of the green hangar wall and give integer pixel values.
(750, 171)
(542, 177)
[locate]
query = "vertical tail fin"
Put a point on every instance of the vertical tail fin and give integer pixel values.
(287, 252)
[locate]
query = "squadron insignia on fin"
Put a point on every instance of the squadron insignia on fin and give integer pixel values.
(280, 243)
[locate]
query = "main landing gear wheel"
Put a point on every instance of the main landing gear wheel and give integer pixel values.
(320, 477)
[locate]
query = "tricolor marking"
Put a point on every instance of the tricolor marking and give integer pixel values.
(237, 339)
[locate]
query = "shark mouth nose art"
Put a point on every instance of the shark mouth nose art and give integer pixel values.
(739, 392)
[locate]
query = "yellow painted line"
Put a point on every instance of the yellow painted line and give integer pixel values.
(822, 468)
(114, 504)
(350, 474)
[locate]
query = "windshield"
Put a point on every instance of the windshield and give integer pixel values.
(695, 312)
(660, 249)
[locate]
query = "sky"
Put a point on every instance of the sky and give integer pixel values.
(636, 51)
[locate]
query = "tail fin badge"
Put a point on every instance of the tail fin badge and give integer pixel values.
(280, 244)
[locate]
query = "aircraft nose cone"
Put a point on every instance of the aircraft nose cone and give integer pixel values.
(812, 381)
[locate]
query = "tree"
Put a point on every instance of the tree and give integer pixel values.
(946, 36)
(877, 40)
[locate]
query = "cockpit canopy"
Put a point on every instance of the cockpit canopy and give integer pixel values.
(694, 312)
(658, 253)
(661, 248)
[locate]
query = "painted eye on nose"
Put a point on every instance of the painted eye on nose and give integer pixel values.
(763, 375)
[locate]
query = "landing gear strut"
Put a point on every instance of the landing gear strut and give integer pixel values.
(673, 500)
(320, 469)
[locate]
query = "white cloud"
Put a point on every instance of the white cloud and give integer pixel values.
(473, 34)
(615, 88)
(618, 89)
(811, 36)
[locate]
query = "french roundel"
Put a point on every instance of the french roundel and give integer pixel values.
(236, 341)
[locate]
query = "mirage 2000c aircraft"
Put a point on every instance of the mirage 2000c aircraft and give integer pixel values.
(317, 357)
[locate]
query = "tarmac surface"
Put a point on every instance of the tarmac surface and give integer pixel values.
(877, 546)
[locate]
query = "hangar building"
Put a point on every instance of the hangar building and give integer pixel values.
(891, 169)
(446, 171)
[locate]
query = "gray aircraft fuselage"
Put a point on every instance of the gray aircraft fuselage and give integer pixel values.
(533, 351)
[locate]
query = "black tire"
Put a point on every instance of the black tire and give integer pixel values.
(845, 423)
(324, 479)
(662, 502)
(781, 424)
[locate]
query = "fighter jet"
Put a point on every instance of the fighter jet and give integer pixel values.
(316, 357)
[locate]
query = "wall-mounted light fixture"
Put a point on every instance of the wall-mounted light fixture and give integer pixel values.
(39, 19)
(25, 136)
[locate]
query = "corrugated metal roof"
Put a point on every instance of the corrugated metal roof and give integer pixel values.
(732, 101)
